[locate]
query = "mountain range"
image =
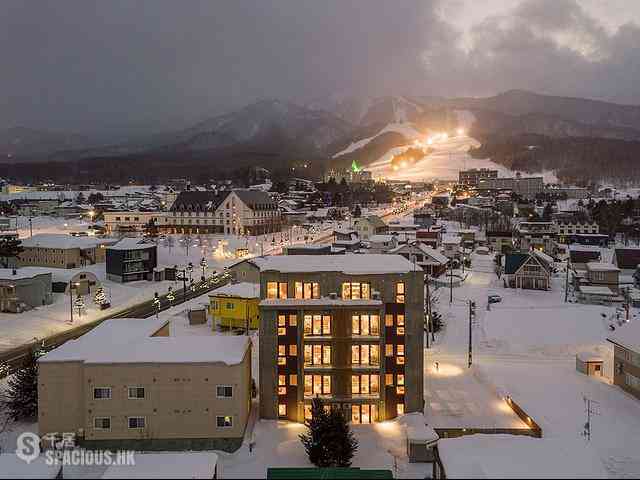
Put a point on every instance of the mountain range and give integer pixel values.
(333, 130)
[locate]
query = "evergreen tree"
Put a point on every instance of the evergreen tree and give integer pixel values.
(22, 391)
(340, 441)
(314, 441)
(9, 248)
(99, 297)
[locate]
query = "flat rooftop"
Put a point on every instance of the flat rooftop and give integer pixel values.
(353, 264)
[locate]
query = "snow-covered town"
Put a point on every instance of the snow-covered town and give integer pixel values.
(320, 240)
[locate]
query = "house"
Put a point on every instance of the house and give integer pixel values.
(245, 271)
(425, 217)
(468, 238)
(369, 225)
(526, 270)
(603, 274)
(580, 255)
(589, 364)
(381, 243)
(500, 241)
(626, 357)
(355, 337)
(235, 305)
(25, 288)
(430, 260)
(536, 236)
(232, 212)
(451, 246)
(131, 259)
(59, 250)
(432, 238)
(128, 385)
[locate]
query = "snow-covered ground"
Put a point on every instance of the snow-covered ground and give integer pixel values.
(525, 347)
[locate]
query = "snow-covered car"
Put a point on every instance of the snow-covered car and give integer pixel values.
(495, 298)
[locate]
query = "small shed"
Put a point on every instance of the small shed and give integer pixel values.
(589, 364)
(421, 438)
(197, 316)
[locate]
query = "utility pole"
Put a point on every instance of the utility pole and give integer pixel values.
(472, 313)
(450, 281)
(566, 284)
(428, 310)
(591, 408)
(71, 299)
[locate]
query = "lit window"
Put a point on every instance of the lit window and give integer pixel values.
(388, 320)
(282, 390)
(400, 379)
(317, 385)
(400, 331)
(400, 409)
(293, 321)
(307, 412)
(400, 292)
(317, 354)
(388, 350)
(293, 380)
(224, 421)
(282, 320)
(282, 380)
(293, 350)
(388, 379)
(276, 290)
(365, 384)
(356, 291)
(282, 350)
(400, 320)
(282, 331)
(365, 355)
(317, 325)
(282, 410)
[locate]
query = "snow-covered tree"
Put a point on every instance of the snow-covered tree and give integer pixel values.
(100, 298)
(22, 393)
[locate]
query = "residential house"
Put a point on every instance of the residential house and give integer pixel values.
(349, 329)
(626, 356)
(59, 250)
(580, 255)
(526, 270)
(381, 243)
(235, 306)
(431, 238)
(128, 385)
(369, 225)
(25, 288)
(131, 259)
(430, 260)
(627, 259)
(451, 246)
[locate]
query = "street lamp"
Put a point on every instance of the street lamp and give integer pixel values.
(156, 303)
(203, 264)
(170, 296)
(79, 304)
(190, 270)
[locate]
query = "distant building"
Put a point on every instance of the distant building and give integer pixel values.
(25, 288)
(131, 259)
(369, 225)
(131, 221)
(59, 250)
(424, 217)
(527, 187)
(536, 236)
(473, 176)
(566, 229)
(626, 358)
(627, 259)
(451, 246)
(431, 261)
(500, 241)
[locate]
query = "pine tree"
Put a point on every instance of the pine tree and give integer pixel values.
(340, 441)
(9, 248)
(99, 297)
(314, 441)
(22, 391)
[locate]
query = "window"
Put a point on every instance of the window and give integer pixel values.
(293, 380)
(366, 325)
(365, 384)
(317, 385)
(293, 350)
(365, 355)
(224, 421)
(136, 393)
(388, 320)
(282, 380)
(356, 291)
(317, 325)
(224, 391)
(388, 350)
(400, 292)
(632, 381)
(282, 410)
(293, 321)
(282, 354)
(102, 423)
(388, 379)
(400, 409)
(317, 354)
(102, 393)
(230, 306)
(307, 290)
(276, 290)
(137, 422)
(364, 413)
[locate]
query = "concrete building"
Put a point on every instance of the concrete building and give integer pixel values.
(25, 288)
(131, 259)
(59, 250)
(626, 356)
(235, 306)
(347, 328)
(527, 187)
(473, 176)
(567, 229)
(128, 385)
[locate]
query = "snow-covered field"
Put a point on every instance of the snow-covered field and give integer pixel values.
(525, 347)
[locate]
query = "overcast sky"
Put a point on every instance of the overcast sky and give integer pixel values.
(106, 64)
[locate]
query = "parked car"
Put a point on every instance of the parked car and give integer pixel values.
(495, 298)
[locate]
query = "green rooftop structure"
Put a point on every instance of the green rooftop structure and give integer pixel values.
(326, 473)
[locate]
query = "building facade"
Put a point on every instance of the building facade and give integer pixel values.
(473, 176)
(626, 356)
(527, 187)
(131, 259)
(132, 221)
(128, 385)
(57, 250)
(348, 329)
(235, 306)
(25, 288)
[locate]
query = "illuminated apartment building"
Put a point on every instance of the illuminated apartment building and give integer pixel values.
(346, 328)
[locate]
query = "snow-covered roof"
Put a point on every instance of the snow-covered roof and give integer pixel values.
(241, 290)
(627, 336)
(597, 290)
(352, 264)
(13, 467)
(61, 240)
(417, 429)
(602, 267)
(130, 341)
(452, 240)
(131, 243)
(515, 456)
(167, 465)
(22, 273)
(588, 357)
(380, 238)
(543, 256)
